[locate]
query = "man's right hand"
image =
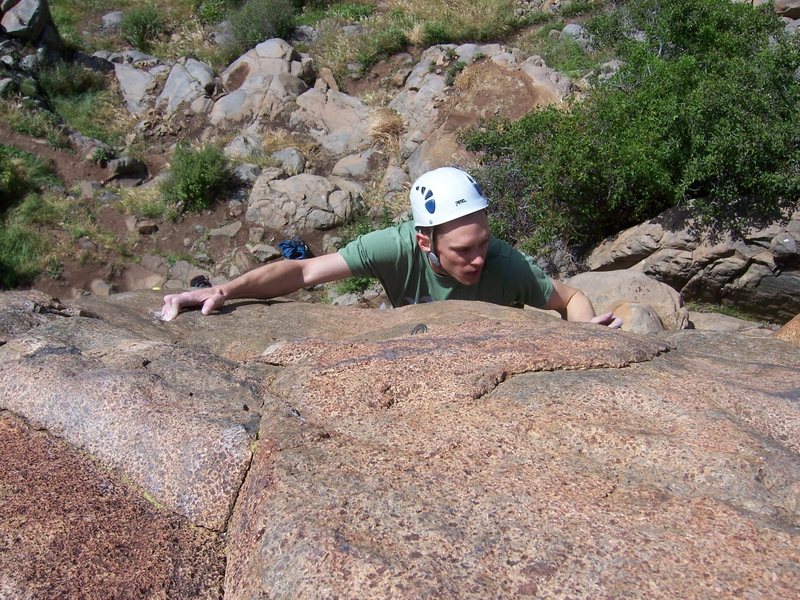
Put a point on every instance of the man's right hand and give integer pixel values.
(210, 298)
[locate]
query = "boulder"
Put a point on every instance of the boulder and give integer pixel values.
(609, 290)
(299, 203)
(576, 33)
(495, 81)
(121, 400)
(247, 173)
(710, 321)
(247, 145)
(185, 271)
(395, 179)
(790, 332)
(354, 166)
(502, 453)
(135, 86)
(111, 21)
(292, 160)
(27, 20)
(60, 508)
(788, 8)
(757, 273)
(188, 81)
(262, 82)
(337, 121)
(638, 318)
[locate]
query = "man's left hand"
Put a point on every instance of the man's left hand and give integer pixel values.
(609, 319)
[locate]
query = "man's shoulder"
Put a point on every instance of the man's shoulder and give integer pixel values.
(387, 246)
(500, 249)
(509, 260)
(404, 232)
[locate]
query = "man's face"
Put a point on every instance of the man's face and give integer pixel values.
(461, 246)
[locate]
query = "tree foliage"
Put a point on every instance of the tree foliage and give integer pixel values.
(702, 113)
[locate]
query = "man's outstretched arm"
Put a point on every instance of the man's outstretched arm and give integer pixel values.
(271, 280)
(573, 305)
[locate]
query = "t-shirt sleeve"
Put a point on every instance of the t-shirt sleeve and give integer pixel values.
(533, 286)
(372, 254)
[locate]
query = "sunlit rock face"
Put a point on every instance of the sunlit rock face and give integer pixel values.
(494, 453)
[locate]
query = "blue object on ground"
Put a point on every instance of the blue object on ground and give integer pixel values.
(295, 249)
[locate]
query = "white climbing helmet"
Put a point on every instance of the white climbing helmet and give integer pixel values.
(443, 195)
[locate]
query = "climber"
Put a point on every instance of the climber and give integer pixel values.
(446, 252)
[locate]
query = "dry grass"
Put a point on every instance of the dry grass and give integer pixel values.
(416, 34)
(187, 38)
(278, 139)
(146, 202)
(459, 15)
(335, 50)
(377, 97)
(386, 126)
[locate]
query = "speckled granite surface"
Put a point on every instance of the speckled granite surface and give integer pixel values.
(501, 454)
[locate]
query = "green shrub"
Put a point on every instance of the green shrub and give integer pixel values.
(214, 11)
(70, 79)
(577, 8)
(94, 114)
(564, 55)
(80, 98)
(66, 21)
(345, 11)
(359, 224)
(28, 87)
(350, 11)
(101, 156)
(20, 248)
(260, 20)
(495, 21)
(380, 44)
(12, 184)
(701, 114)
(536, 17)
(20, 173)
(141, 25)
(197, 177)
(453, 70)
(435, 32)
(36, 210)
(20, 255)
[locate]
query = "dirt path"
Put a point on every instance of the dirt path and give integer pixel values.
(69, 166)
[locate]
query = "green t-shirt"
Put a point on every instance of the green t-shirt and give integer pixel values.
(392, 255)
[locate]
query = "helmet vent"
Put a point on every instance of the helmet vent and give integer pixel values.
(430, 201)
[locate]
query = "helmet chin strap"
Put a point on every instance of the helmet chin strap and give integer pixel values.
(432, 255)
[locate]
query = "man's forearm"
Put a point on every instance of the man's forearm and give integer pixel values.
(271, 280)
(286, 276)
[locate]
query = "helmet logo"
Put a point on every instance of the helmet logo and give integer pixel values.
(462, 201)
(430, 201)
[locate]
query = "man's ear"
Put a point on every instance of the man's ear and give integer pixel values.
(424, 242)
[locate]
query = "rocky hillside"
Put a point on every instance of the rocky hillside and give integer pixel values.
(312, 152)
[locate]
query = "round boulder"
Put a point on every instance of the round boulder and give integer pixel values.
(609, 290)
